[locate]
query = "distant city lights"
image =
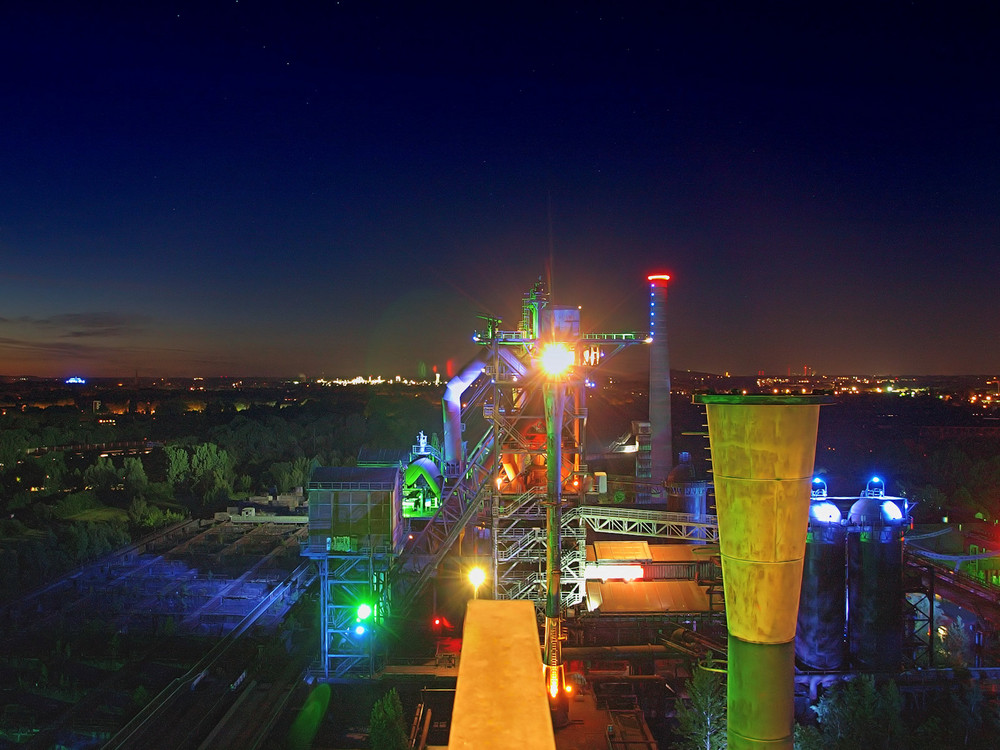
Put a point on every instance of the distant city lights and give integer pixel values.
(377, 380)
(75, 381)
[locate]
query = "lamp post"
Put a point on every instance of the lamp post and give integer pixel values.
(476, 577)
(555, 360)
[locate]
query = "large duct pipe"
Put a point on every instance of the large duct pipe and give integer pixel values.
(661, 440)
(451, 405)
(763, 448)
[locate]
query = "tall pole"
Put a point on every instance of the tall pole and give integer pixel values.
(763, 448)
(554, 393)
(661, 450)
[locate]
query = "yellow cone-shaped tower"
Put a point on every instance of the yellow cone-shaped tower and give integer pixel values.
(763, 448)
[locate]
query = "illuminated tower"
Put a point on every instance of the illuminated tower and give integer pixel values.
(763, 448)
(661, 445)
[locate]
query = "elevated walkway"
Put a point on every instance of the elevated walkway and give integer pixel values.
(500, 701)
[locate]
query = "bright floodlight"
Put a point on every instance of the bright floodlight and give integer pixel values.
(825, 512)
(477, 576)
(556, 359)
(891, 510)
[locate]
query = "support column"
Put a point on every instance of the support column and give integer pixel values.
(554, 393)
(763, 448)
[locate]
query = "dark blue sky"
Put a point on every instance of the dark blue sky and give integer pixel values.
(263, 187)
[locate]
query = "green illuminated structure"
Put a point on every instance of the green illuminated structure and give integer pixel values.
(763, 448)
(355, 530)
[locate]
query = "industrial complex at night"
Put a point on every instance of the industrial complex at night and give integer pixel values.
(747, 564)
(411, 376)
(506, 563)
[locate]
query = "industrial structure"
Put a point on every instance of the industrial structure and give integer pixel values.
(661, 455)
(852, 583)
(813, 584)
(509, 483)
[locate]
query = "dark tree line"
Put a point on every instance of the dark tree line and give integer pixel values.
(58, 509)
(857, 714)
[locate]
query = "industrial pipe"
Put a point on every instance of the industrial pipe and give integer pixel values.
(451, 405)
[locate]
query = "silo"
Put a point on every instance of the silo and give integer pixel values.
(875, 583)
(819, 637)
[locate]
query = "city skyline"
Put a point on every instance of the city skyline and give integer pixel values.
(248, 189)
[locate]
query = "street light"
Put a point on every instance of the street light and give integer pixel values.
(555, 361)
(476, 577)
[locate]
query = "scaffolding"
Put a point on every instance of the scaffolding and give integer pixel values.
(499, 484)
(355, 530)
(514, 506)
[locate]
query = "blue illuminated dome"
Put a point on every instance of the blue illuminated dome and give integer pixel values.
(824, 512)
(875, 511)
(891, 511)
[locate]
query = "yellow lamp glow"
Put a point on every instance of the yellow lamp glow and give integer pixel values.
(476, 578)
(556, 359)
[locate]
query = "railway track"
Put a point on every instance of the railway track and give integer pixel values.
(83, 653)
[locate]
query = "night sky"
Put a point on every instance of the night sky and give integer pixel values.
(323, 188)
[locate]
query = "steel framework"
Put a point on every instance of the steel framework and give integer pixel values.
(500, 484)
(354, 532)
(346, 581)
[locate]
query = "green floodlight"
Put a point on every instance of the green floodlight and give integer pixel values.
(364, 611)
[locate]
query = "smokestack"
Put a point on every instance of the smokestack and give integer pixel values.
(763, 448)
(661, 441)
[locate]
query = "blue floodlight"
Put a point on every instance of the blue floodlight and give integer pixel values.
(891, 511)
(825, 512)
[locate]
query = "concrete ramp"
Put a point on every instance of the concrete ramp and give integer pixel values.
(500, 700)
